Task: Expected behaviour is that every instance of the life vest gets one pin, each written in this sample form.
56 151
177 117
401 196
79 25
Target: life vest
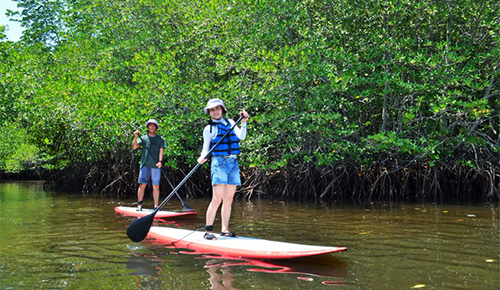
230 145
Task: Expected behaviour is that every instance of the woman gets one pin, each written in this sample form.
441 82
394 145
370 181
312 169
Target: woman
225 173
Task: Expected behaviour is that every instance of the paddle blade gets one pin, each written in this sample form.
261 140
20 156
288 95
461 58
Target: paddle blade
187 208
139 229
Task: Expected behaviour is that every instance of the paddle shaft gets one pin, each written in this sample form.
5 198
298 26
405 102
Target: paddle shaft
196 167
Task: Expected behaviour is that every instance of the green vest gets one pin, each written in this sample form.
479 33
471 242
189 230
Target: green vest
153 144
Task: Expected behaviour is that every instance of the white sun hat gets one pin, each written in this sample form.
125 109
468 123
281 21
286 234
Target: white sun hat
153 121
214 103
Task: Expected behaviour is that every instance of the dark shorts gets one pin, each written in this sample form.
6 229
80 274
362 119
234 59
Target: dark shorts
147 173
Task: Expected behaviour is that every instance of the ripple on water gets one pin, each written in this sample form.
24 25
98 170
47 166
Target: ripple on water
77 242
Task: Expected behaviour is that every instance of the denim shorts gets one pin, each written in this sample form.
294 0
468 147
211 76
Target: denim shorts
225 171
153 173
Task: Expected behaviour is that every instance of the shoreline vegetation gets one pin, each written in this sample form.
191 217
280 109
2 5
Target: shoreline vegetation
343 185
359 101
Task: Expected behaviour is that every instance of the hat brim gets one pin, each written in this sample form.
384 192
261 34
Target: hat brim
206 109
147 125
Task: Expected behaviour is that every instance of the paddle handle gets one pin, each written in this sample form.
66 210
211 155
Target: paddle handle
196 167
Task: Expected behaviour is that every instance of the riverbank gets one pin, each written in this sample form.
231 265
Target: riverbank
347 184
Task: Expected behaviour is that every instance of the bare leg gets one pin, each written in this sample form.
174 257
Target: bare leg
218 193
156 195
140 194
227 203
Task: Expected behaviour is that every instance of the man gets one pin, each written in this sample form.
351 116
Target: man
151 161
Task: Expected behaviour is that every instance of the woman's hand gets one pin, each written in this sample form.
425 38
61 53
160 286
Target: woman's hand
201 160
245 116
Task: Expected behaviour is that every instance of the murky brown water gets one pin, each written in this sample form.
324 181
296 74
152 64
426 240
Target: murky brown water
54 241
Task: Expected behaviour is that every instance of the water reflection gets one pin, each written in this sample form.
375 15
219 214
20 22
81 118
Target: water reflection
326 268
145 267
221 276
59 241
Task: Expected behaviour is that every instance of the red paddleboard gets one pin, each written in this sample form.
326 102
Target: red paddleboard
162 214
244 247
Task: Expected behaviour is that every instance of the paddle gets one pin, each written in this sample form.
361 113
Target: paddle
139 229
185 206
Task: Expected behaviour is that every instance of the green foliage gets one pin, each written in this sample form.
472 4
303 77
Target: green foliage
16 153
2 32
325 82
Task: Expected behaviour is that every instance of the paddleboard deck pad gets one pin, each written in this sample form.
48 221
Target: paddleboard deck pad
243 247
162 214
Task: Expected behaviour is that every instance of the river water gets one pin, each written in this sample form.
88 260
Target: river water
63 241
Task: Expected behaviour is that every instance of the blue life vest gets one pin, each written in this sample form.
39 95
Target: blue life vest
230 145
